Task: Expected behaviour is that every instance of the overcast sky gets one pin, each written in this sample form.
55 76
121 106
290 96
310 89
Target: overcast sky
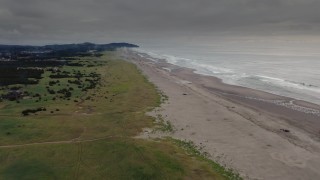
136 21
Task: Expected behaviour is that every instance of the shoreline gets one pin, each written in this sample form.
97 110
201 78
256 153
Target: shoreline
293 109
260 135
195 71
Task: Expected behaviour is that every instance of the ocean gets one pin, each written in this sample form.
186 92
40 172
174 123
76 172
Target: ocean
290 69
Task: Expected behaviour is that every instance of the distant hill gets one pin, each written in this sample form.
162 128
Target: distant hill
83 47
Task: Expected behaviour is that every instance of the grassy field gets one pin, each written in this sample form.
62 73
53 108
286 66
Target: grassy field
89 135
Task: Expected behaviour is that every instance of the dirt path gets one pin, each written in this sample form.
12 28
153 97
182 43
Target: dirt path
76 140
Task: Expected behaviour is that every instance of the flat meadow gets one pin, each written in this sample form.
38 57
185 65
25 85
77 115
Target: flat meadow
80 122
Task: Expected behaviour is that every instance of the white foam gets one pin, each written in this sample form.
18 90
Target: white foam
142 56
290 84
167 69
275 85
200 68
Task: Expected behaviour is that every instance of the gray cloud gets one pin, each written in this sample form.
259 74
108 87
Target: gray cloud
47 21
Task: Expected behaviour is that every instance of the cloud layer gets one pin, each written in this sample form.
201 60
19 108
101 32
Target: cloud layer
40 21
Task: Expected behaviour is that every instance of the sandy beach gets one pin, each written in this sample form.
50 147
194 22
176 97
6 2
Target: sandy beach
260 135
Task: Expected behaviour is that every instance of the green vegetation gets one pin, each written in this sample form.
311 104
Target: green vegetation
85 129
193 150
162 125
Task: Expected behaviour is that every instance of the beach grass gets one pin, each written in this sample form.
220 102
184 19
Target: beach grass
90 135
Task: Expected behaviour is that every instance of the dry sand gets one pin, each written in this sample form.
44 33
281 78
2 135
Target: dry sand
241 128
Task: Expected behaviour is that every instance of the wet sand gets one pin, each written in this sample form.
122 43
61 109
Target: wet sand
260 135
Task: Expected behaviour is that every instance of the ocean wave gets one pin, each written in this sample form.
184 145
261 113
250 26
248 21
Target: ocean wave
200 68
275 85
290 84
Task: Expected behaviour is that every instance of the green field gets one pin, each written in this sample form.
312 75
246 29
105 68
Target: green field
90 135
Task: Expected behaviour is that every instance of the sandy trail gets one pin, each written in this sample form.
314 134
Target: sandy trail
235 132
